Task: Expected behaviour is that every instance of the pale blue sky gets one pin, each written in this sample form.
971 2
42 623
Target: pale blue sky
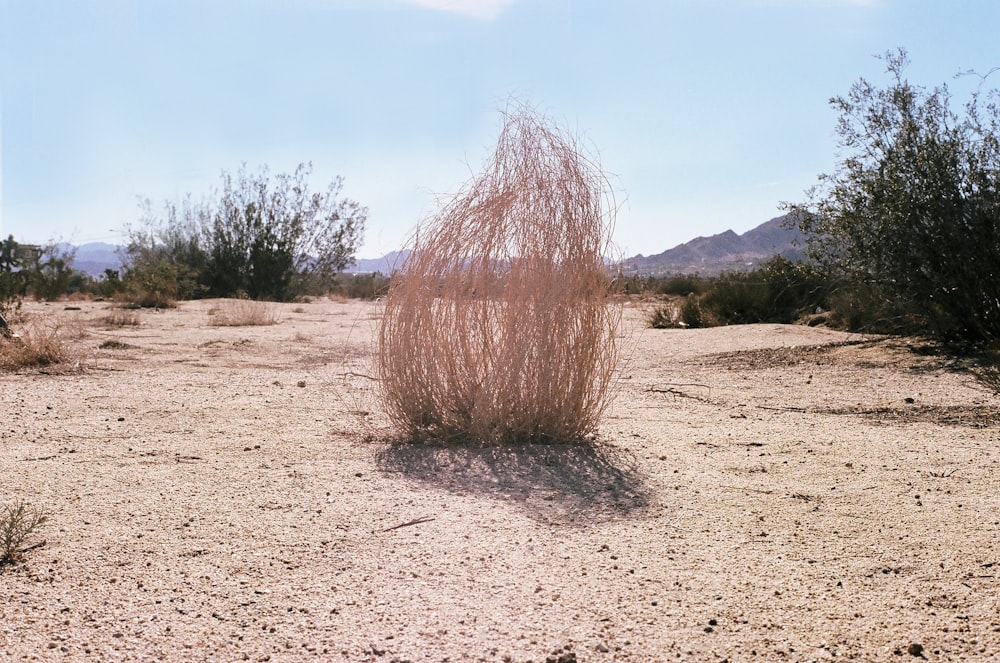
707 113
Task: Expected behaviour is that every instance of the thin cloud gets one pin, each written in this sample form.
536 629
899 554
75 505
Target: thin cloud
483 9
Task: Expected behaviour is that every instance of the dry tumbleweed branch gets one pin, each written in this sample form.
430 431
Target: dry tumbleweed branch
499 328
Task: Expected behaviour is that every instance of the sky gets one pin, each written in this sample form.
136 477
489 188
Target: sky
705 114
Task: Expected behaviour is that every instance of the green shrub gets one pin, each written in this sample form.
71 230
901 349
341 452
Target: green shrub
987 367
780 291
158 281
736 299
268 237
663 315
691 313
361 286
913 204
682 285
676 312
861 306
109 285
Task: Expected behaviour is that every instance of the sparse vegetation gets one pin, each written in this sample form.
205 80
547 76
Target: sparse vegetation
987 367
663 315
499 328
360 286
244 313
13 277
49 272
39 343
115 344
780 291
121 317
268 237
43 272
18 522
157 281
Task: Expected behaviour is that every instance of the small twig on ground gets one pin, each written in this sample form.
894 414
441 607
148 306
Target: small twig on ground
749 490
677 392
347 374
32 547
415 521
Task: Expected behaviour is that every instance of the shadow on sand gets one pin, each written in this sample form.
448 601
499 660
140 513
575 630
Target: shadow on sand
554 483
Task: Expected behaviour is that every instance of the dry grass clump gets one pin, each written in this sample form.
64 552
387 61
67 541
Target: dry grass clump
17 523
499 327
244 313
120 317
38 343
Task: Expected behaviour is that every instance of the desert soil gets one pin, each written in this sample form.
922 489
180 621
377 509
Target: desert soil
757 493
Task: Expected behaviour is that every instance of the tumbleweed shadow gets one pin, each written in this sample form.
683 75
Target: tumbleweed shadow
556 483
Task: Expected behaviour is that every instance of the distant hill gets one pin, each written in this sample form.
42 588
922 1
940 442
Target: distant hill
95 257
386 265
723 252
703 255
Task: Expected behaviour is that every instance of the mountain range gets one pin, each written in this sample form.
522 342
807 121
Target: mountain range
95 257
708 256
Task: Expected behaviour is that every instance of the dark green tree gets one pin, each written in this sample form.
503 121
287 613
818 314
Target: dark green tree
913 209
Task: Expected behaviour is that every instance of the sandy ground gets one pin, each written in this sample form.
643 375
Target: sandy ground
760 493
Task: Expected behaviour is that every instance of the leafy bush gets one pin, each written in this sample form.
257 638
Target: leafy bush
164 258
268 237
682 285
737 299
663 315
109 285
43 272
780 291
913 210
157 283
361 286
679 312
859 306
691 314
